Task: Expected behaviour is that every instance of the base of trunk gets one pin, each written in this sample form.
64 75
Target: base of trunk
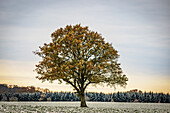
83 105
83 101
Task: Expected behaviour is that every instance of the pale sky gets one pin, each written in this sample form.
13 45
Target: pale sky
138 29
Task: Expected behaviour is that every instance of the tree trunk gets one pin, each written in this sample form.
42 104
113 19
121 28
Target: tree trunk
83 101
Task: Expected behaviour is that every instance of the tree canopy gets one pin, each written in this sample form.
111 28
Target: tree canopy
79 57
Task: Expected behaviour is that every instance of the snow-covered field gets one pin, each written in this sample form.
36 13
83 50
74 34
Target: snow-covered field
73 107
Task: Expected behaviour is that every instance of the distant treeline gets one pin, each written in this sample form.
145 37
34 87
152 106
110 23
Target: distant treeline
46 95
4 88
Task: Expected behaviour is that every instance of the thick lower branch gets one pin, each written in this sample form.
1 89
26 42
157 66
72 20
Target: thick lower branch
73 85
86 85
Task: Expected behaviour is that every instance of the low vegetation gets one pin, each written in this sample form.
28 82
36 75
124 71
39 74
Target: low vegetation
73 107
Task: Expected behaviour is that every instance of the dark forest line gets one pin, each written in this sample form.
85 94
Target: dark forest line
31 93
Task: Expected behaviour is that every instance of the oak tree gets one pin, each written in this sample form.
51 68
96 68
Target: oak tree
79 57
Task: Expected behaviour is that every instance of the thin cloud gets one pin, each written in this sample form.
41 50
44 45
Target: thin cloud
139 30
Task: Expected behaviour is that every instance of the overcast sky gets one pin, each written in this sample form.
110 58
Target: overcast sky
138 29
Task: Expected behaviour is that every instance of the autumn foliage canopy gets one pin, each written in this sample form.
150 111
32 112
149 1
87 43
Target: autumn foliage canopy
79 57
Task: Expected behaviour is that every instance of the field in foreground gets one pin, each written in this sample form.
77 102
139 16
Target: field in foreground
73 107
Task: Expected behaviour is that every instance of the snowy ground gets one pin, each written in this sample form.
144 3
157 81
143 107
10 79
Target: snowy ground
73 107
